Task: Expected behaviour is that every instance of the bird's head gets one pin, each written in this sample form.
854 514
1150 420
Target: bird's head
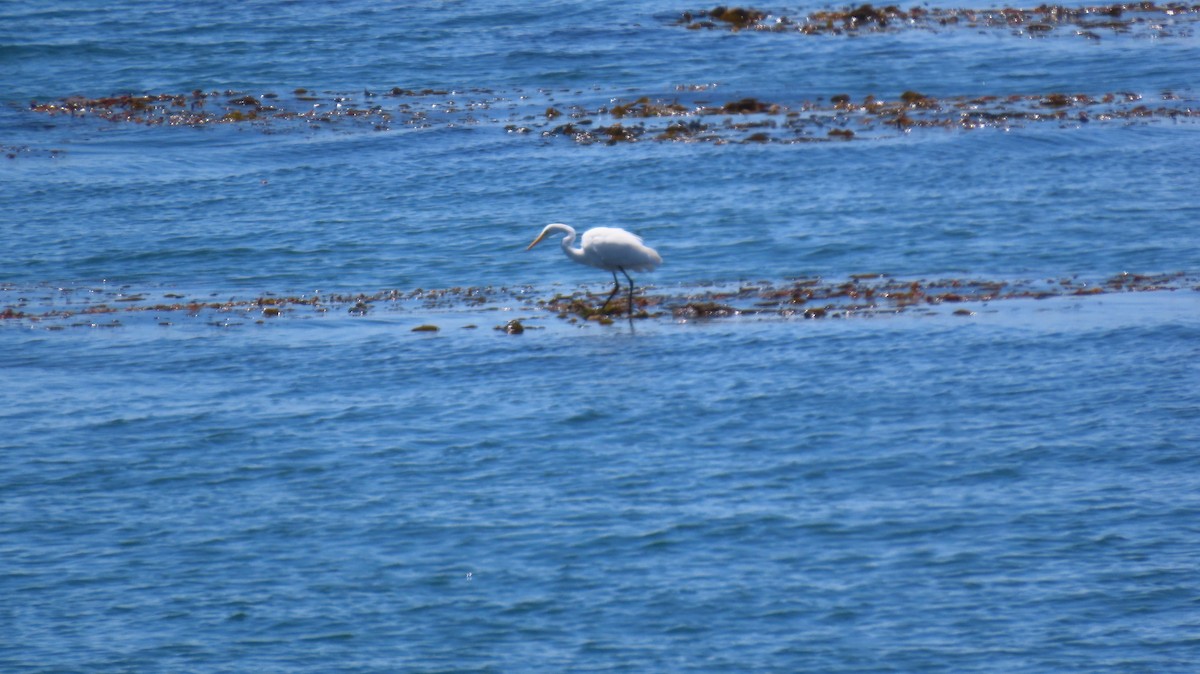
550 229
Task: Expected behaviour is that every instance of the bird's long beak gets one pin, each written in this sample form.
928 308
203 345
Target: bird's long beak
536 241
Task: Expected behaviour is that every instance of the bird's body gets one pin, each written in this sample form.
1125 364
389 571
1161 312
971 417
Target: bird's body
609 248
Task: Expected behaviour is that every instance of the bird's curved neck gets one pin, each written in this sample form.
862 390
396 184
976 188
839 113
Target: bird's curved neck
573 253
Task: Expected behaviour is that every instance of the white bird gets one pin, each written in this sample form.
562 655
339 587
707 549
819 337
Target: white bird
608 248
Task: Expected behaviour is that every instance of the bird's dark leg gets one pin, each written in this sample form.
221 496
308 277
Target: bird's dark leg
616 287
630 290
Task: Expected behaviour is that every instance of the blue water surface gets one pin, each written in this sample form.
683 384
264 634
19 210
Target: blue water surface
1013 490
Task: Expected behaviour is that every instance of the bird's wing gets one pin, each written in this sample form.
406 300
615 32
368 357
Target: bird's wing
605 236
610 247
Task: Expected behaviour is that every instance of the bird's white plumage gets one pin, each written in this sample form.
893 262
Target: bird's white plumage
609 248
612 248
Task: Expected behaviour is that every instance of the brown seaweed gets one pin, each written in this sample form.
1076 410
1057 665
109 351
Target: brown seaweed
751 119
864 294
685 118
1159 20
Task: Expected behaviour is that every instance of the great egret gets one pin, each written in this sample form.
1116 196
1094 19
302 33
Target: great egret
609 248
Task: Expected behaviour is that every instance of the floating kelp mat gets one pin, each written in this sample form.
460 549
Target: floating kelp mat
298 109
510 310
691 114
1143 19
843 118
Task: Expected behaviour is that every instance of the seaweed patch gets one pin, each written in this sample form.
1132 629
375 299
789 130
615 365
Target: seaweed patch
692 115
840 118
200 108
23 151
1142 19
859 295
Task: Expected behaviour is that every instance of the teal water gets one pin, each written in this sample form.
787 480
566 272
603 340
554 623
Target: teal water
1011 490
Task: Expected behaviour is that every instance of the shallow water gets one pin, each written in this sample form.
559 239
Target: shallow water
1007 487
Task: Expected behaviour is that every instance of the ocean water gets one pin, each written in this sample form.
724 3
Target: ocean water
225 449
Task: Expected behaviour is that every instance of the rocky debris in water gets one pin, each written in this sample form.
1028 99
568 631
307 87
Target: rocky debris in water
1091 22
425 328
